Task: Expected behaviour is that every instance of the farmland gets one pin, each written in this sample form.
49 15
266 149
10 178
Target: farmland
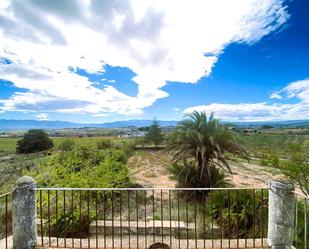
151 168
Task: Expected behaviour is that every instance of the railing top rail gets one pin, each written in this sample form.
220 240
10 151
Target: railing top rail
2 195
301 195
143 189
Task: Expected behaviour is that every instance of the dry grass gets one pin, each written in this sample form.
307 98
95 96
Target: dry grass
150 168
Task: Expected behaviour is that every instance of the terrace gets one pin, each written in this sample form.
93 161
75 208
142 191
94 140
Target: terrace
139 217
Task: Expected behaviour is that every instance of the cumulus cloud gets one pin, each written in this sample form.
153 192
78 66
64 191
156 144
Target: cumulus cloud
265 111
159 41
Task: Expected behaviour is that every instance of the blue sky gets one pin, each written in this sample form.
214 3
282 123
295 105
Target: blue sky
107 61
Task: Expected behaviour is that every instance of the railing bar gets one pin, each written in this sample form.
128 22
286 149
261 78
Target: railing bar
120 199
204 222
301 195
153 216
212 220
187 220
161 217
6 221
129 218
141 189
48 214
57 240
254 217
305 218
80 219
137 232
41 218
64 220
104 217
229 216
221 219
178 214
96 219
296 227
262 217
170 215
3 195
72 216
245 219
145 196
88 213
113 222
237 214
195 221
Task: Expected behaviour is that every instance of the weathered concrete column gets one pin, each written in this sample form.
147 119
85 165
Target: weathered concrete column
24 214
281 214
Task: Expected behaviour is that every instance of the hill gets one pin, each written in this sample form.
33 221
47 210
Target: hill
36 124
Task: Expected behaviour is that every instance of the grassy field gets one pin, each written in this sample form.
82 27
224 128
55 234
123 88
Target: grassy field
8 145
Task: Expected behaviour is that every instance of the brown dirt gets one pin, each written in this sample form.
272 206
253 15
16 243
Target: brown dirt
150 169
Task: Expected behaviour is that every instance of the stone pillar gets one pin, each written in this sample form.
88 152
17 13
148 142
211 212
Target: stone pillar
281 214
24 214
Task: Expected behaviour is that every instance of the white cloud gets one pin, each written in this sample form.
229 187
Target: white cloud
159 41
283 110
42 116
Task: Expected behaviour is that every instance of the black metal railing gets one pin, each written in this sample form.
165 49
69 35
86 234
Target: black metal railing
139 217
301 235
6 240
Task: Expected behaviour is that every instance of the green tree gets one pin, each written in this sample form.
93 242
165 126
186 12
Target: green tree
154 134
204 141
296 165
34 140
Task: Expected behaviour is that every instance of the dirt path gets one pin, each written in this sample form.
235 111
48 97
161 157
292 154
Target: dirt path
150 169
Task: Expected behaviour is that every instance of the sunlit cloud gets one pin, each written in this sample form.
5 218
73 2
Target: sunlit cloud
265 111
160 41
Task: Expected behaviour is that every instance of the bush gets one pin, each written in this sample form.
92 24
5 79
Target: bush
296 165
189 175
239 212
104 144
67 145
83 167
34 140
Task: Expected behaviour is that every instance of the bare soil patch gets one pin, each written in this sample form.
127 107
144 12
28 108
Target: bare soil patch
150 169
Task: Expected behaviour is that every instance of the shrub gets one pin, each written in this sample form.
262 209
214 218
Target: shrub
296 165
239 212
189 175
83 167
67 145
34 140
104 144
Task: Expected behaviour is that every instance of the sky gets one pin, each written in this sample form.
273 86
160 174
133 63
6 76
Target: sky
93 61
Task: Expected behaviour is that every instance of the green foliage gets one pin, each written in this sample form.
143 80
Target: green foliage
296 166
34 140
188 175
67 145
69 168
154 134
104 144
299 236
83 167
242 212
206 141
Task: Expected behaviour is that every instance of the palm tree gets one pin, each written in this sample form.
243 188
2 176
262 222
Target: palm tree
204 141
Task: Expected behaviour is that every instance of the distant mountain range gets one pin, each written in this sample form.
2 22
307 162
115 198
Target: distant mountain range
36 124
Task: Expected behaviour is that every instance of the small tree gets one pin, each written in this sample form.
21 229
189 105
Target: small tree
154 134
34 140
296 166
